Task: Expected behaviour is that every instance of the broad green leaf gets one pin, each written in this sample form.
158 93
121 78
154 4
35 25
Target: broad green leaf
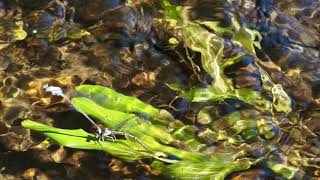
126 149
212 168
118 120
141 128
79 139
111 99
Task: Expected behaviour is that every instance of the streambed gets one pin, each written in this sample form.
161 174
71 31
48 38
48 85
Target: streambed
126 46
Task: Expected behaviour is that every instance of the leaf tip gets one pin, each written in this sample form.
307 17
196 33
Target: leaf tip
26 123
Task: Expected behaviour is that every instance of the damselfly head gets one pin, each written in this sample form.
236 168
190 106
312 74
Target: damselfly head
56 91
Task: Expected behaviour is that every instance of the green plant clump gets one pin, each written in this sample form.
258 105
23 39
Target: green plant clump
162 146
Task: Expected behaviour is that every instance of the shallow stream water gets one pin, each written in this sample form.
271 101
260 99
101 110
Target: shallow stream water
118 44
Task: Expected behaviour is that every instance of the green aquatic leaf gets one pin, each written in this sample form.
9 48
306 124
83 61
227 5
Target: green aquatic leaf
285 171
204 117
108 98
79 139
171 12
248 39
187 133
19 33
67 30
281 100
141 128
235 128
173 41
212 168
245 37
233 60
215 26
77 33
122 148
211 93
266 128
57 33
118 120
117 116
210 46
12 31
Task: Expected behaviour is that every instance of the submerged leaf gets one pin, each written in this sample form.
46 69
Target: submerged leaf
122 148
118 120
111 99
71 31
12 31
139 127
80 139
171 11
281 100
211 47
284 170
242 35
212 168
19 33
249 96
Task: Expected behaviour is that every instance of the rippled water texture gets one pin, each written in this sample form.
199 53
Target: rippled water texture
117 44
